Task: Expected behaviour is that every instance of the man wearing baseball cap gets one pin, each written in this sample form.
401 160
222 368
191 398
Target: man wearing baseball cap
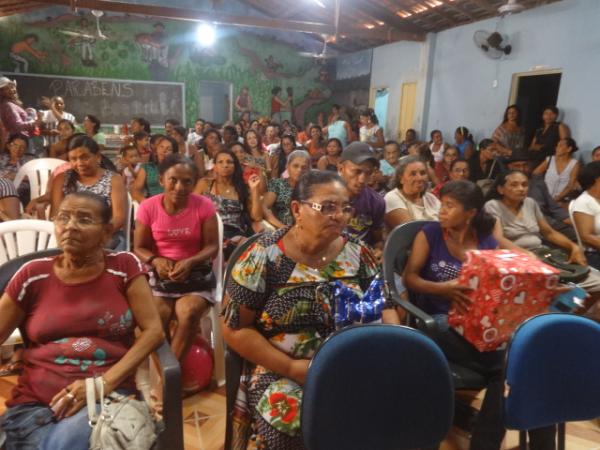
357 164
12 115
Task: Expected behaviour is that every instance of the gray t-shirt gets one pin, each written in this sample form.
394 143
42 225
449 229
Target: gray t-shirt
523 229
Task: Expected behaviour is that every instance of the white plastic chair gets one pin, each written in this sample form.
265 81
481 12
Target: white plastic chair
215 336
574 226
19 237
37 172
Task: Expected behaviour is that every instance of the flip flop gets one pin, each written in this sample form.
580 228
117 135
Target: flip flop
12 368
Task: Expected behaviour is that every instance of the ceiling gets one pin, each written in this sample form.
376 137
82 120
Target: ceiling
362 23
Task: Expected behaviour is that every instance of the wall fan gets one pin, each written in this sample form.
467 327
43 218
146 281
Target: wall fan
493 44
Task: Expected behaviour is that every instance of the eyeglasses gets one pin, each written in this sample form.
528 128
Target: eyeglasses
331 208
80 221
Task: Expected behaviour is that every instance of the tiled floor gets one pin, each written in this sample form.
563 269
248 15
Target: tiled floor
204 424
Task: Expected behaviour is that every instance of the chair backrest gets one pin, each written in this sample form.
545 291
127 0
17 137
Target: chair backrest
19 237
37 172
233 362
9 268
384 387
235 255
218 262
129 218
398 246
574 225
552 372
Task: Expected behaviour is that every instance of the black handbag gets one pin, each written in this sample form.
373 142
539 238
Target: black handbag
201 278
557 258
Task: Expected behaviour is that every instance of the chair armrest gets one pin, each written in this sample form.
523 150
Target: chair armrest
172 436
427 323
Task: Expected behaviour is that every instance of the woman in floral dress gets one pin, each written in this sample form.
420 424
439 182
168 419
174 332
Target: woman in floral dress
279 307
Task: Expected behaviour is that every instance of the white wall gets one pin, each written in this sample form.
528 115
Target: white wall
394 64
563 35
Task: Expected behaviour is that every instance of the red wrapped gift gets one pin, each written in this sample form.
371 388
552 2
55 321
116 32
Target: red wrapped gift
508 288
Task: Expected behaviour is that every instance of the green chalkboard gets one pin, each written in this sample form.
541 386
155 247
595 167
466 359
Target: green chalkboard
114 102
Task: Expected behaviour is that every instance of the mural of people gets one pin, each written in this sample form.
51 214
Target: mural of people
278 104
25 46
154 46
287 110
86 41
272 65
149 49
155 51
243 103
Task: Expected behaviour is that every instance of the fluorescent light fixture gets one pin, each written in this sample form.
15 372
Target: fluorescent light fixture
404 14
320 3
206 34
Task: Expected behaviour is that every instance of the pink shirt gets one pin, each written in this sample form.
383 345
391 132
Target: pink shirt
179 236
15 119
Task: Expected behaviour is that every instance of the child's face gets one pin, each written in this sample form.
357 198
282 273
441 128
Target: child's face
375 178
390 153
143 143
132 157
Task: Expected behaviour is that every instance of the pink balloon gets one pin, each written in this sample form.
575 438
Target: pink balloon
197 367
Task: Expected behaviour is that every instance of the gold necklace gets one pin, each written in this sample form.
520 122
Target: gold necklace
303 251
226 191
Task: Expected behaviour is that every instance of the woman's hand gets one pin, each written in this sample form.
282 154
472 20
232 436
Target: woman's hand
254 182
298 370
34 206
163 267
577 256
457 294
69 400
181 270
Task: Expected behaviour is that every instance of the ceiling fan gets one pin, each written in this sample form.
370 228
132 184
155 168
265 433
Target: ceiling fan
325 53
511 7
99 35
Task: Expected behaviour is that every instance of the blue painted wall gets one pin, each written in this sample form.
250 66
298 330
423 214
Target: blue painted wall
563 35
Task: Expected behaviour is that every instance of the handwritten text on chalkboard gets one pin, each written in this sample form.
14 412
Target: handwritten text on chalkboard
91 88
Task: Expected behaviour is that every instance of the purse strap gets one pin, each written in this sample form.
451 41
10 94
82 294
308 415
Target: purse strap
93 385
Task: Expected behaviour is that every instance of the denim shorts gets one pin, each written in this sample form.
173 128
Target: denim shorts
32 426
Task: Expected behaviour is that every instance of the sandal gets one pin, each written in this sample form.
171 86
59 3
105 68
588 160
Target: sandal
12 368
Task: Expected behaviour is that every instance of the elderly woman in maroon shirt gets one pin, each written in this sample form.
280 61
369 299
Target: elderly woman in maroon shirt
12 115
79 311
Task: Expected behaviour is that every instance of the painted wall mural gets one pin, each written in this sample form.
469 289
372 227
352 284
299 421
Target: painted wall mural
127 47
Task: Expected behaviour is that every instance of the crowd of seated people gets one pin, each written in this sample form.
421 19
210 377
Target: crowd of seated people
325 196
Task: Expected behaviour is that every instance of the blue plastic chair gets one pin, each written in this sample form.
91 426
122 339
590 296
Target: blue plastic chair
398 247
383 387
552 374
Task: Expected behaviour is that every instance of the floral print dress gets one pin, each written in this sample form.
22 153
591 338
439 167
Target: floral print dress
283 192
294 312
